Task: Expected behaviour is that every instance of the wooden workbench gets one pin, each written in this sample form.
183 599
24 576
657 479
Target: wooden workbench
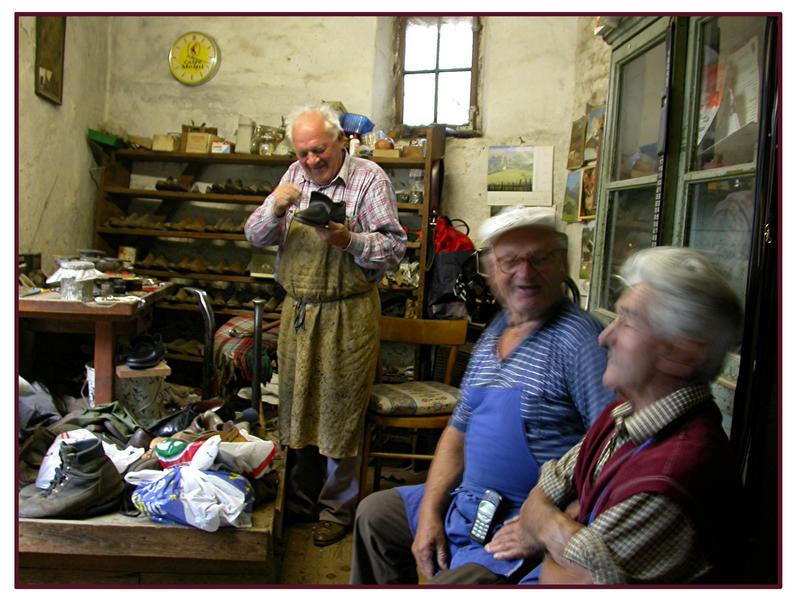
48 312
118 550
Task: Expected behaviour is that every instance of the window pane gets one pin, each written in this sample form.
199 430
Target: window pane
630 225
642 84
726 118
418 98
721 222
453 101
455 43
421 35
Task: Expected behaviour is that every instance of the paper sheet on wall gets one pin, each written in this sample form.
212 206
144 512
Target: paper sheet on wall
520 175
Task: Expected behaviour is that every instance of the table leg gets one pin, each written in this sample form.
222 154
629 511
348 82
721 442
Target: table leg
104 351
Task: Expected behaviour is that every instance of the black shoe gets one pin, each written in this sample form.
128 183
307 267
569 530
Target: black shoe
328 532
147 352
321 210
87 483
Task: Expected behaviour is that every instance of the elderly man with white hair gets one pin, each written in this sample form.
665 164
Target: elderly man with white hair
334 219
654 478
532 388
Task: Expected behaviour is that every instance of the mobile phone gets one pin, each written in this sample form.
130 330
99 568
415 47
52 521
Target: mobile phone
484 516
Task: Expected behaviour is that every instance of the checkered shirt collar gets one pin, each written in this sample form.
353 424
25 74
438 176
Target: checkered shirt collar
645 423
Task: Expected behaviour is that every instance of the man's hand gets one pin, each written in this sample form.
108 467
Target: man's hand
511 541
430 544
335 234
285 195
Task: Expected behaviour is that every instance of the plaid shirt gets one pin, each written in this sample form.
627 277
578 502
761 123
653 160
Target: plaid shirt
646 537
377 242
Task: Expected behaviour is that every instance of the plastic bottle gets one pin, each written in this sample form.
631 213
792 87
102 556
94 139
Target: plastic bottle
354 145
244 135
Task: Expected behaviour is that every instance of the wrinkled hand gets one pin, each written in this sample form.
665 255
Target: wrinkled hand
511 542
430 544
285 195
335 234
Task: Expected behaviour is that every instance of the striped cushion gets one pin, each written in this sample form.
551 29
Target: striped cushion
413 398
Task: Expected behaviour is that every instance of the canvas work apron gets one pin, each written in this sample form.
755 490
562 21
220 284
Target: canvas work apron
327 347
496 456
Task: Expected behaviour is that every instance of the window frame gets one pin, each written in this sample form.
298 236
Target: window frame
400 72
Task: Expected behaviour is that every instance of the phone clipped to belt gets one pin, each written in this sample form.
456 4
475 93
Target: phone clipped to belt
484 516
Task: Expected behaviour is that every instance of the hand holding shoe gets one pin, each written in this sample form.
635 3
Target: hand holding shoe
336 234
284 196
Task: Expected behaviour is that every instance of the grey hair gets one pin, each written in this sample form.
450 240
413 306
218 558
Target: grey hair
691 298
330 116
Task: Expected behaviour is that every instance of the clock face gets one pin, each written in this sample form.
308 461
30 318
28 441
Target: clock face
194 58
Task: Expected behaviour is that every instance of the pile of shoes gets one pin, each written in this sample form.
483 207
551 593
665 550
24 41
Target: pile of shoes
146 352
237 187
188 224
181 184
194 264
138 221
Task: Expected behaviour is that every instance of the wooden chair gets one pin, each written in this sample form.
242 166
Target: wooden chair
415 404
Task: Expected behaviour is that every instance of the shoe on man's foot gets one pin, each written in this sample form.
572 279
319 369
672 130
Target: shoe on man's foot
328 532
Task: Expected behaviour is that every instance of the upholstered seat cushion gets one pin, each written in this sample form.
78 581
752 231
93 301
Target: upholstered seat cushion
413 398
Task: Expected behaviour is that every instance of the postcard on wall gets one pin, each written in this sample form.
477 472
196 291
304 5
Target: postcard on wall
576 142
520 175
588 203
49 65
572 197
595 117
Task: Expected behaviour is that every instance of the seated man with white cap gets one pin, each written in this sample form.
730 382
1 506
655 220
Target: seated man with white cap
532 388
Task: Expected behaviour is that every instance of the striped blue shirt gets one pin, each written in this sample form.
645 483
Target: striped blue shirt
560 369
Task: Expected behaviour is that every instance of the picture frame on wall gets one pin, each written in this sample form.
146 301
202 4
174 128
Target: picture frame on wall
588 202
576 142
572 196
49 63
595 119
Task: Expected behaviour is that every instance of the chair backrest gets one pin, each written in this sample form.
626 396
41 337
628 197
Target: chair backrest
427 332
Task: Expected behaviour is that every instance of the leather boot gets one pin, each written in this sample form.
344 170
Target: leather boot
87 483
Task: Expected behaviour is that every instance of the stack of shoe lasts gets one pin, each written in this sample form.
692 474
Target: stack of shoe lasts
320 211
87 483
148 351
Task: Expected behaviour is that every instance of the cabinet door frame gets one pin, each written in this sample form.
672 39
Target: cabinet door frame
637 39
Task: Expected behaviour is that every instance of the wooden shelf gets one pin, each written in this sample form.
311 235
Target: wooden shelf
233 312
200 276
173 233
251 159
124 192
183 357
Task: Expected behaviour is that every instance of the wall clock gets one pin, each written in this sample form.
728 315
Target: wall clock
194 58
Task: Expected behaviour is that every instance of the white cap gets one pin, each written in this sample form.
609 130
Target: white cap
512 218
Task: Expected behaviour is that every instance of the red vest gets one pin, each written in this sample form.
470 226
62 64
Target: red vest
690 461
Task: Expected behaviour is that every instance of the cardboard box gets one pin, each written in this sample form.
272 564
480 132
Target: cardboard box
199 143
165 143
386 153
412 152
220 147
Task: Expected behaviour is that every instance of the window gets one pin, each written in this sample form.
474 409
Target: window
438 82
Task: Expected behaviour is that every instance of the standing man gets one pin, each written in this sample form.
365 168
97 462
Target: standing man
532 388
329 335
655 476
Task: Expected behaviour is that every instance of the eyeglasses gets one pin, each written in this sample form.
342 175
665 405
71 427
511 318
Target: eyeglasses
540 261
318 151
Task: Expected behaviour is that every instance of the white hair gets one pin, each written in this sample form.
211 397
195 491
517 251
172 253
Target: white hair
330 116
691 298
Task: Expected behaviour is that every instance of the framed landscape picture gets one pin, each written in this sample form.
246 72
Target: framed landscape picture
572 197
576 143
588 203
49 65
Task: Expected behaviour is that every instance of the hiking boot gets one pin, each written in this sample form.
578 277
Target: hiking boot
87 483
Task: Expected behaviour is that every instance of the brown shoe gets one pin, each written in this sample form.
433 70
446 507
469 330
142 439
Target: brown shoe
328 532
